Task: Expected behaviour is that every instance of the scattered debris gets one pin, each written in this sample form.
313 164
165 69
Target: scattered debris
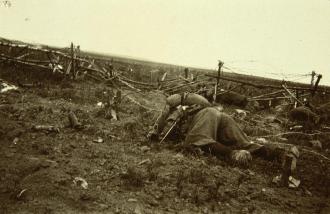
102 161
241 113
98 140
100 104
49 163
283 139
81 182
113 114
307 192
272 119
279 108
294 151
137 210
4 87
27 85
178 156
326 128
250 172
114 137
117 98
56 68
277 179
21 193
293 183
111 105
15 141
296 128
291 94
47 128
145 148
316 154
74 121
316 144
160 181
144 161
261 140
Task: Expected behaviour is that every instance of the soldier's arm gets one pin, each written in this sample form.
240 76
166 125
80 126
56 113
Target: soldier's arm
159 124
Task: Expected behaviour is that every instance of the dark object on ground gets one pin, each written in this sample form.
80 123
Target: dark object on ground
233 98
324 112
304 116
74 121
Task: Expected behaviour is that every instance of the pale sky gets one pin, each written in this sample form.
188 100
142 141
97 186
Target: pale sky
273 38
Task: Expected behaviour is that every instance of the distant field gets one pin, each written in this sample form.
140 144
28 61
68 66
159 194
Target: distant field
147 68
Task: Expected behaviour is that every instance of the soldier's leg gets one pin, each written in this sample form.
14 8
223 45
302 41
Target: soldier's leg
230 133
269 152
217 149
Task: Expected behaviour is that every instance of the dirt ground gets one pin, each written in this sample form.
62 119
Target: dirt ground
127 174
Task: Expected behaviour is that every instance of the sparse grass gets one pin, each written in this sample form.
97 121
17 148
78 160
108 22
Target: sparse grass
133 177
152 173
181 178
152 169
213 190
188 149
196 196
197 176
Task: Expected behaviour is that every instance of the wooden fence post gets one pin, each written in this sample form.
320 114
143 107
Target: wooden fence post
312 80
220 64
186 73
316 84
73 63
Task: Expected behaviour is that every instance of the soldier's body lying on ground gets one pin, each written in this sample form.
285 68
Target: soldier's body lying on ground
215 132
311 117
228 97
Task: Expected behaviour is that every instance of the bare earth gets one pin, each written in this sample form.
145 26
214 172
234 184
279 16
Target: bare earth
127 174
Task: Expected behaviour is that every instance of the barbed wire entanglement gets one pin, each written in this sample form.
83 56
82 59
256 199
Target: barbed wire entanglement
73 63
123 75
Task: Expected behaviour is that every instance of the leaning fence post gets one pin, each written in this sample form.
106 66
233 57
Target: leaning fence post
316 84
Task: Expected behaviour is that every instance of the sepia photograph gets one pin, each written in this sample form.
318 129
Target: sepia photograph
164 106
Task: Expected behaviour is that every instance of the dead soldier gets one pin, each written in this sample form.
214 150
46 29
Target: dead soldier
215 132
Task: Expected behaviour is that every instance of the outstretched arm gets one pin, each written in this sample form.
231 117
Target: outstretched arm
159 124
